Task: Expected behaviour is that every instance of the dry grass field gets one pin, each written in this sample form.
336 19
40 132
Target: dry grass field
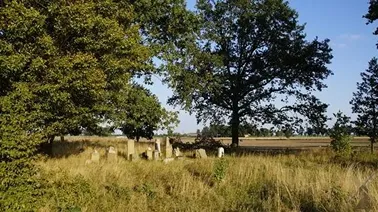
308 181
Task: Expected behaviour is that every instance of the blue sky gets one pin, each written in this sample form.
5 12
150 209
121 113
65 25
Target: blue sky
352 42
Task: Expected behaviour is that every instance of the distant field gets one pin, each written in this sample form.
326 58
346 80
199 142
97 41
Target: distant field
258 142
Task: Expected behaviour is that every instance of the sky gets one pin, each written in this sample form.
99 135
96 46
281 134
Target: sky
352 41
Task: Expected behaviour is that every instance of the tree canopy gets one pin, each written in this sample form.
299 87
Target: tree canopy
67 66
372 14
247 56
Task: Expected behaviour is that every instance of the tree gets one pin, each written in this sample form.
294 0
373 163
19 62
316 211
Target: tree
142 114
340 134
247 55
64 66
75 58
365 103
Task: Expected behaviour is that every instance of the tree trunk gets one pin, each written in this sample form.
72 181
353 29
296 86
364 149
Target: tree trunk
235 122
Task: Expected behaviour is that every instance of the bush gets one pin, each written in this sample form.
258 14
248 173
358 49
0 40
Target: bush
340 134
220 169
341 144
19 189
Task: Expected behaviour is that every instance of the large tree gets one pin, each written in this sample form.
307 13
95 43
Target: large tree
66 66
365 103
247 56
77 58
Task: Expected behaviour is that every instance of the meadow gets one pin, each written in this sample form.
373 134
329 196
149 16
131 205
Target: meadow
315 180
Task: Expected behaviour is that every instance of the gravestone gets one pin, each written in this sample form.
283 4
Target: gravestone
95 157
130 149
220 152
157 145
176 152
156 155
200 153
111 155
149 153
168 148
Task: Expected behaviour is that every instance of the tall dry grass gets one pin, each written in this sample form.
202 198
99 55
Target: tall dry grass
306 182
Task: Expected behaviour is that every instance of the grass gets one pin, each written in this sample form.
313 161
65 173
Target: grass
314 181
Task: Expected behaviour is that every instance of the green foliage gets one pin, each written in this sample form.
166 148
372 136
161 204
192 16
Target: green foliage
340 134
372 14
19 138
220 169
74 58
365 103
142 114
70 193
19 188
341 144
238 66
63 68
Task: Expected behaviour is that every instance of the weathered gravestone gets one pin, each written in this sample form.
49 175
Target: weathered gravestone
200 153
130 149
149 153
111 155
176 152
168 148
157 145
95 157
220 152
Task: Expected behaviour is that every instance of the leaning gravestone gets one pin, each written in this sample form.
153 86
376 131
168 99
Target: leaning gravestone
149 153
200 153
111 154
130 149
176 152
95 157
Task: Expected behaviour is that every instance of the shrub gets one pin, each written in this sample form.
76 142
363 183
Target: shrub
340 134
341 144
220 169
